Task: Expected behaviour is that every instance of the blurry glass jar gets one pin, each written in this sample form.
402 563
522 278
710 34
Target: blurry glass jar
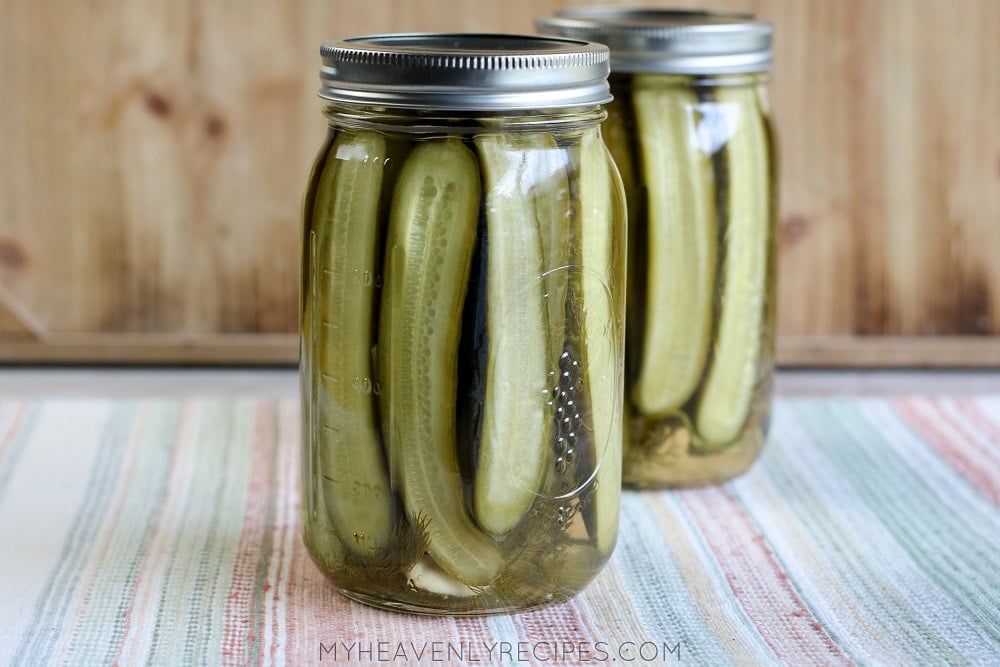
691 133
462 323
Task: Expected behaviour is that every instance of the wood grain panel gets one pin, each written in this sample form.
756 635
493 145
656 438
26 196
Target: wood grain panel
153 155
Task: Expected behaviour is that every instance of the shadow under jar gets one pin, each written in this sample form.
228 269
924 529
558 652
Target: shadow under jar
462 323
691 133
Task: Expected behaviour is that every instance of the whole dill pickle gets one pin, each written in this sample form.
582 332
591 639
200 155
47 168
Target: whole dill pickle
601 330
681 245
514 445
307 298
431 240
352 471
724 402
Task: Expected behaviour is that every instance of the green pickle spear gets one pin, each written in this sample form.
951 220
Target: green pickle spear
307 296
352 470
725 400
681 245
550 198
431 240
615 131
600 330
514 446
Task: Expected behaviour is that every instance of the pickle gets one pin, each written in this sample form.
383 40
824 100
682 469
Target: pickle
546 172
353 475
618 130
616 136
724 403
514 443
307 297
598 256
681 246
431 240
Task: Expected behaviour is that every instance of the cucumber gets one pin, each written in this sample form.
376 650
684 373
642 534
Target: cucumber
431 240
616 137
602 329
352 470
322 170
514 443
682 232
725 400
618 130
545 166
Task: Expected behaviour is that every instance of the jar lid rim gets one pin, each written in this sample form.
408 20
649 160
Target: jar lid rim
668 40
465 71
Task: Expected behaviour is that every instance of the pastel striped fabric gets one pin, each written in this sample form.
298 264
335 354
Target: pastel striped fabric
166 532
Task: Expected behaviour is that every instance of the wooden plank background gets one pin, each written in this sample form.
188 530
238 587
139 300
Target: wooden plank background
153 157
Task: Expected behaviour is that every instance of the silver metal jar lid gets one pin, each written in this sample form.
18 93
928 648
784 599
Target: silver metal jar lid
669 41
465 72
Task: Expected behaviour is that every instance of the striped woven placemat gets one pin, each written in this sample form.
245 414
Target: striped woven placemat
166 532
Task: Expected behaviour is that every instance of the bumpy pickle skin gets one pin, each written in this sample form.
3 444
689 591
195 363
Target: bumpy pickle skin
431 240
351 471
681 245
603 270
725 400
514 444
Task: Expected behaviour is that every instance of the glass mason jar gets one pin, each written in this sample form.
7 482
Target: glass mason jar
462 323
691 133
